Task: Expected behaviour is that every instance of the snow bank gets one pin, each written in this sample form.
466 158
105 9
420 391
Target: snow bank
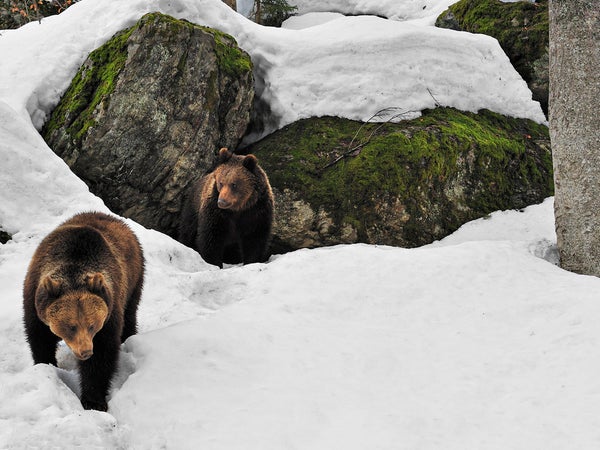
390 9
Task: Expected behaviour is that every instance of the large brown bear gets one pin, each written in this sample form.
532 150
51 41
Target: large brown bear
83 286
228 213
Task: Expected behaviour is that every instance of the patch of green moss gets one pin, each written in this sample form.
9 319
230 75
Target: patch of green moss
413 161
92 85
521 28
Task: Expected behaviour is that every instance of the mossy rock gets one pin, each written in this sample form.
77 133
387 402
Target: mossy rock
147 112
521 28
404 184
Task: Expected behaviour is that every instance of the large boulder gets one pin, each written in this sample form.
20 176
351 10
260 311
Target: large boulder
405 184
520 27
147 112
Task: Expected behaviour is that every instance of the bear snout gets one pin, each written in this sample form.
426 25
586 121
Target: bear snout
223 204
84 354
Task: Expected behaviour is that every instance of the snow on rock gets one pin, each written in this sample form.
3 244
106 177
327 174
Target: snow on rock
391 9
330 69
310 20
387 64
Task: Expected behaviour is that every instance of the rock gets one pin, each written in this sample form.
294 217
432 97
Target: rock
147 112
521 29
4 236
448 20
17 13
404 184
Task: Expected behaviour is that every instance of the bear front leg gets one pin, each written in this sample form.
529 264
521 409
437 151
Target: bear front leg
42 342
210 243
254 248
96 372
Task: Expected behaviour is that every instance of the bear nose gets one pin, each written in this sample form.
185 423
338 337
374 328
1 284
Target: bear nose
85 354
222 203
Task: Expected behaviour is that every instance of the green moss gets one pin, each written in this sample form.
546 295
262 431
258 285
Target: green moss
91 86
232 60
414 161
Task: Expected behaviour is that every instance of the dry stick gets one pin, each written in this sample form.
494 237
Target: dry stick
437 104
362 144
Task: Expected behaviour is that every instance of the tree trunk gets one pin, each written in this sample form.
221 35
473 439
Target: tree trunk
231 3
258 12
575 131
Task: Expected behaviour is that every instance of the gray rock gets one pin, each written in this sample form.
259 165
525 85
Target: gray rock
148 111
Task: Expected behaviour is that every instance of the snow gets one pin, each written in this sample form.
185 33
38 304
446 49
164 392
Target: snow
390 9
478 341
390 64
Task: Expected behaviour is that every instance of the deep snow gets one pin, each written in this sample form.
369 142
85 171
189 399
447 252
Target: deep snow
475 342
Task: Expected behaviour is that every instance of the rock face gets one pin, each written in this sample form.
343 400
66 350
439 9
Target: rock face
147 112
521 29
406 184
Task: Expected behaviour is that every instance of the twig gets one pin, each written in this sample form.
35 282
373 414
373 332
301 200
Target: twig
355 150
437 104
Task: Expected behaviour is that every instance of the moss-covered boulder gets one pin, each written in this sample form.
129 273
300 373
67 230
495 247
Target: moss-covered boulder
521 28
404 184
147 112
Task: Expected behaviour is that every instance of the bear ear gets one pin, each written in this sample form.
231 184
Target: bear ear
51 287
250 162
48 290
224 155
96 284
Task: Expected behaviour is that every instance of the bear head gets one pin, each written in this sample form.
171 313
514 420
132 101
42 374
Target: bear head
74 315
235 181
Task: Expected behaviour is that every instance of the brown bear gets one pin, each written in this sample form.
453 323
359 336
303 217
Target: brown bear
228 214
83 286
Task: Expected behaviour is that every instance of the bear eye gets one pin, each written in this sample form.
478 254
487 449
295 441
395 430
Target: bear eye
91 328
233 185
72 329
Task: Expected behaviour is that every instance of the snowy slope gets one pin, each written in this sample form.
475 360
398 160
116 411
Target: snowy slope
473 342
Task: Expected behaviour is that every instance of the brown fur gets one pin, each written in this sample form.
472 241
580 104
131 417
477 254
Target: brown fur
228 214
83 285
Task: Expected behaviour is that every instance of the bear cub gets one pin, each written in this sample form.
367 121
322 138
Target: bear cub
228 214
83 286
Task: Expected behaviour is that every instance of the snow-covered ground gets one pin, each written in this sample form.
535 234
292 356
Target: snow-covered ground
475 342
